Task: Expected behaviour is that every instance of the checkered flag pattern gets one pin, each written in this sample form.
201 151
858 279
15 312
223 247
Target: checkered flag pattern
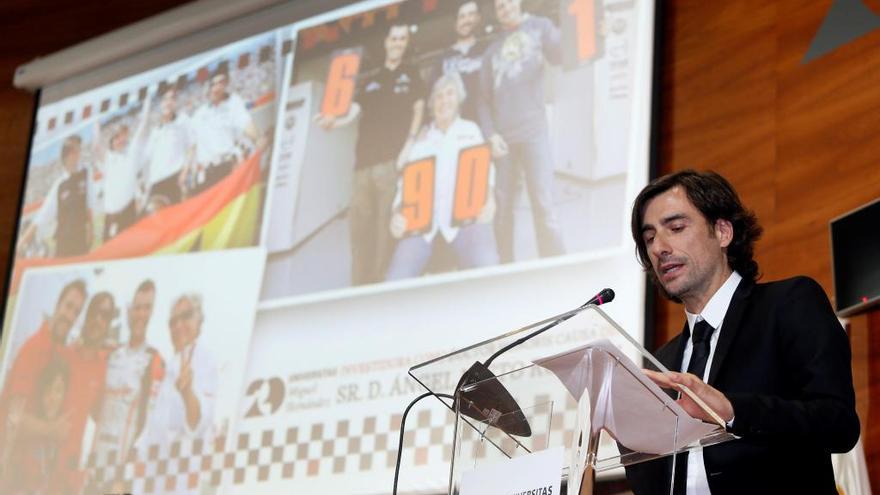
67 118
306 451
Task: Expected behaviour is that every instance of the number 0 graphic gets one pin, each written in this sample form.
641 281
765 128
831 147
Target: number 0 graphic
471 183
340 84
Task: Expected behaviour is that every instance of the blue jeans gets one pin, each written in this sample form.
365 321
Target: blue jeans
474 246
534 159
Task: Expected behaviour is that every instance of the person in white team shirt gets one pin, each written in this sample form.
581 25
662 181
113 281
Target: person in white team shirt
220 127
121 169
134 374
184 407
444 139
168 149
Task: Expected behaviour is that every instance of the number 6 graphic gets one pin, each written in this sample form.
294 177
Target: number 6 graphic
340 84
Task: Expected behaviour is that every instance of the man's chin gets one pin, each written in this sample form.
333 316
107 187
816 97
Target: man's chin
59 333
671 293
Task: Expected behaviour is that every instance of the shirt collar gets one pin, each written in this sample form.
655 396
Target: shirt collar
432 128
716 308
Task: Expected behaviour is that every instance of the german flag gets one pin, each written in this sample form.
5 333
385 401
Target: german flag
221 217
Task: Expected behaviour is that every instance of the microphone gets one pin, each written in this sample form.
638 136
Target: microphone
492 403
605 295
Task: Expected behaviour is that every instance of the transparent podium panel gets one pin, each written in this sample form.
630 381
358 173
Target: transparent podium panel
575 380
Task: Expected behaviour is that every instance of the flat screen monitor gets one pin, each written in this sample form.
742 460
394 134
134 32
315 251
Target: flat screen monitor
855 248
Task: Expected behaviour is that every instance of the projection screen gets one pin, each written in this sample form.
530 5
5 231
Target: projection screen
233 246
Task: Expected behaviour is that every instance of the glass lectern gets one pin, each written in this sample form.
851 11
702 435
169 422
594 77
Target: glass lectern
573 381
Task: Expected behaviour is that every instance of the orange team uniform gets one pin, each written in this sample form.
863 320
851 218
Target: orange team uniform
21 380
36 353
88 370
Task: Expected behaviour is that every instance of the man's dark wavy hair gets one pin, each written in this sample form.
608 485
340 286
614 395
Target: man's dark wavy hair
716 199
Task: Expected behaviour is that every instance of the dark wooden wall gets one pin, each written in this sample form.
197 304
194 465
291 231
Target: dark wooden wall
800 141
33 28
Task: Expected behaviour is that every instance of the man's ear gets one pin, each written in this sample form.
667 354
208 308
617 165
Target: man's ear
723 232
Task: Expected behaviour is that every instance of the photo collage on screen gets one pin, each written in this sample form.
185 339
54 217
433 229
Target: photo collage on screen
207 250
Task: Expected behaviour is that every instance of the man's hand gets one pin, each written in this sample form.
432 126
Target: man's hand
262 142
488 212
499 146
326 122
708 394
90 233
403 156
184 382
182 179
398 225
60 427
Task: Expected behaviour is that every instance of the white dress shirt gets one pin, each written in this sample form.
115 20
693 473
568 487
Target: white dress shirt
167 149
120 180
713 313
217 129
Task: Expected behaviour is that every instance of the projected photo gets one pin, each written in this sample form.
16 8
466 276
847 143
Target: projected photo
430 137
110 368
226 264
172 160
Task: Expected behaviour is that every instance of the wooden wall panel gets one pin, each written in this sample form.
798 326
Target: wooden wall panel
865 340
799 141
718 101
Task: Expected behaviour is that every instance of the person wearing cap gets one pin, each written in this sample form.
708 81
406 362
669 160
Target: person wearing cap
87 361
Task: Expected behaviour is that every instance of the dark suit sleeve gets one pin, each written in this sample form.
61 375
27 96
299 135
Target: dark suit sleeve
817 356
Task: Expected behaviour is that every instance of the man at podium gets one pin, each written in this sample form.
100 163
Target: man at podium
770 358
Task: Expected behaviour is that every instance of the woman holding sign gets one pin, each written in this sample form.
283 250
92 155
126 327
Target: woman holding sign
444 192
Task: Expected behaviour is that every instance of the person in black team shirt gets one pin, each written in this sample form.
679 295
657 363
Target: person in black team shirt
66 204
465 57
390 103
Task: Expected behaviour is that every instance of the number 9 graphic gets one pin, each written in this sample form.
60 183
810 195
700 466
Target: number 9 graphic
417 201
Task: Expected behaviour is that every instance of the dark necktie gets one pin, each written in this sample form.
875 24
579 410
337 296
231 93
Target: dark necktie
699 356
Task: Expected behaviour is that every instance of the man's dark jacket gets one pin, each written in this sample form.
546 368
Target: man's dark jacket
783 361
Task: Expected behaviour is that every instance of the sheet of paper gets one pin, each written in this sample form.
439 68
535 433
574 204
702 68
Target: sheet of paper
580 446
537 473
623 400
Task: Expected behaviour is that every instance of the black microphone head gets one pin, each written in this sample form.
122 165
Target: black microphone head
605 296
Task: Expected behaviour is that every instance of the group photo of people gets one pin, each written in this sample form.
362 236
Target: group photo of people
117 364
169 138
476 137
